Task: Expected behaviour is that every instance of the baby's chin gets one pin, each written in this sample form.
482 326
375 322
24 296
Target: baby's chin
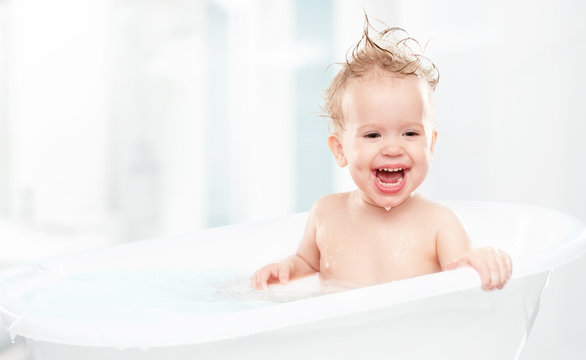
385 204
389 207
389 204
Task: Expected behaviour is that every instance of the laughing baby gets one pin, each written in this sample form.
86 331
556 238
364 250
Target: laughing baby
382 129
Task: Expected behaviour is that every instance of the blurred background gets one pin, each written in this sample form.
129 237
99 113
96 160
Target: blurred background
122 120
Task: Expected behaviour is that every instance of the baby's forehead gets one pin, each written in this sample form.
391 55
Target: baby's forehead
366 98
411 88
380 76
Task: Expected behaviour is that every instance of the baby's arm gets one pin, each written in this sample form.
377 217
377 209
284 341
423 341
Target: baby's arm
304 262
454 250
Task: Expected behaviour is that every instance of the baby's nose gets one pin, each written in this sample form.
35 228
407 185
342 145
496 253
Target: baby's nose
392 148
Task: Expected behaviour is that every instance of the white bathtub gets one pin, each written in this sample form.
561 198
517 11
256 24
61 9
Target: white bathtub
444 315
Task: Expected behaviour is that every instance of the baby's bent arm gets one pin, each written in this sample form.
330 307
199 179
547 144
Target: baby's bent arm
454 250
308 250
305 262
452 239
287 269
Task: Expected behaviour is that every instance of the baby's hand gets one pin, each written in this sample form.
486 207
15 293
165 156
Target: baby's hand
272 273
494 266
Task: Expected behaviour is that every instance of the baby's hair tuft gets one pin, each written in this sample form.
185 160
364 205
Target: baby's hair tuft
392 51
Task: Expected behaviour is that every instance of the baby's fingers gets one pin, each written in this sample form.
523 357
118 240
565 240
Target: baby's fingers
277 273
505 267
493 266
260 279
508 263
500 268
263 277
496 272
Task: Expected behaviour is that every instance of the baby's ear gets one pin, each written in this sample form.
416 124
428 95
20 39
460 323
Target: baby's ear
337 149
433 140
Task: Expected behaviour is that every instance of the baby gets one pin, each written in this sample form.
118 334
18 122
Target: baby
380 105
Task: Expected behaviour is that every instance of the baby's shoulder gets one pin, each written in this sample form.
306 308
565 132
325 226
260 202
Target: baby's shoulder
336 199
327 203
436 211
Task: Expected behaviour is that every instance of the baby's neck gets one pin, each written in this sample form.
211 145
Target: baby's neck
359 200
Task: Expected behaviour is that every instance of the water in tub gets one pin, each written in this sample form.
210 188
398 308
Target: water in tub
128 295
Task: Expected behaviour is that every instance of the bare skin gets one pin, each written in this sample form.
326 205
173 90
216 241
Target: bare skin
384 230
354 244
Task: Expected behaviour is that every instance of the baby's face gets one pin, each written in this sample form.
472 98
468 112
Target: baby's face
388 136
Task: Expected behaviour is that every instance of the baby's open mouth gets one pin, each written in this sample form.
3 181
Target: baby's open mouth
389 177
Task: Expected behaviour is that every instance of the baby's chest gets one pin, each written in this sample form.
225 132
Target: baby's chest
387 251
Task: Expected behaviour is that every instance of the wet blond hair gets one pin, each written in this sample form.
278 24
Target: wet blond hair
392 51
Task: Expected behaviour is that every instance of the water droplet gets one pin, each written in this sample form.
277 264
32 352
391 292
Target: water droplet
387 208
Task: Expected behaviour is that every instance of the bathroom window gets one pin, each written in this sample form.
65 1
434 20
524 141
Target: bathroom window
155 118
264 76
156 143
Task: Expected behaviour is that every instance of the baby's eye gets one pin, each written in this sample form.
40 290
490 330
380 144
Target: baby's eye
372 135
411 133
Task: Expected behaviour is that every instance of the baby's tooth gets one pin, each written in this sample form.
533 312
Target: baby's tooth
391 170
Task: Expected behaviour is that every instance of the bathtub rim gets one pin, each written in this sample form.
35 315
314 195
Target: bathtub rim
251 322
292 313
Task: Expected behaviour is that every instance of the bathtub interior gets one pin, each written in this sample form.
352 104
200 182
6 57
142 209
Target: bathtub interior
519 230
522 231
159 274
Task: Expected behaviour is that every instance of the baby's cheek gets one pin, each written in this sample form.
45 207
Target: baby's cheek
427 156
362 170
